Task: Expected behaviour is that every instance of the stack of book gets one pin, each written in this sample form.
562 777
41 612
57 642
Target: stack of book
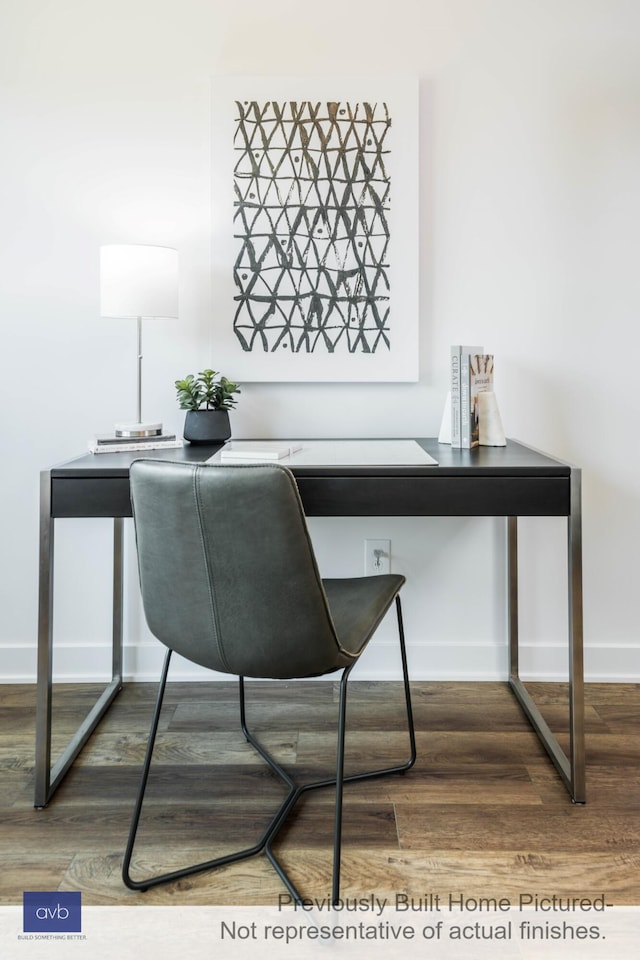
108 443
471 374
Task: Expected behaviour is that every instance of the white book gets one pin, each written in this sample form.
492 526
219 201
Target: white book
459 389
110 440
126 447
256 450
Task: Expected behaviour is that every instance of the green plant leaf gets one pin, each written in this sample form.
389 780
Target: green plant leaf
204 390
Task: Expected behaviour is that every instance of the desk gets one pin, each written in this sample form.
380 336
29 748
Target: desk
511 482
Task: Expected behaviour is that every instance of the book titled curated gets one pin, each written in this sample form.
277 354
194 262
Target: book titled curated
480 381
459 356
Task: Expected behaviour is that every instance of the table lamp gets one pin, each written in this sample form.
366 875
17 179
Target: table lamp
138 281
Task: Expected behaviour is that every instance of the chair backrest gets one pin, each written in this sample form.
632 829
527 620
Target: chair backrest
227 571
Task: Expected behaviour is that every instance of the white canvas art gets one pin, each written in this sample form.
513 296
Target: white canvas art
315 228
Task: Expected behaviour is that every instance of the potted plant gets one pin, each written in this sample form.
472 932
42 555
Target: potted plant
207 399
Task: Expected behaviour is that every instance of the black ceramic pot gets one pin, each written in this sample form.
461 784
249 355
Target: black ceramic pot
207 426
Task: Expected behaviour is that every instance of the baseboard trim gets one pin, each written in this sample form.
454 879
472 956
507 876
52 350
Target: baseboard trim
604 663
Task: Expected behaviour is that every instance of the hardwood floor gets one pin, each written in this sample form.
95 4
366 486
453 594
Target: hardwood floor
482 813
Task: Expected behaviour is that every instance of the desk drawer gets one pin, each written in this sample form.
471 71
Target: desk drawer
77 497
447 496
436 496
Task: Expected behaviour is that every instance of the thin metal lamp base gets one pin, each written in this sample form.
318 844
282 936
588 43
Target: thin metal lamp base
134 430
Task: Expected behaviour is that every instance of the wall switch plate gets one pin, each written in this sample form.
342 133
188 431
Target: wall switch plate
377 557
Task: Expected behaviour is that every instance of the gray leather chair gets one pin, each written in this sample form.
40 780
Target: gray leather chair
229 580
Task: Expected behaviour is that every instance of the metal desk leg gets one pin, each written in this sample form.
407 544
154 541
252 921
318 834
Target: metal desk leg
576 651
47 779
118 592
512 595
572 768
45 631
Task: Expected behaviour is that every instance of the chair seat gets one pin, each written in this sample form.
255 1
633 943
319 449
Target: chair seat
357 606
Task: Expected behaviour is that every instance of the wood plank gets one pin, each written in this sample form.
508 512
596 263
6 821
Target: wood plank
183 748
473 874
575 828
439 747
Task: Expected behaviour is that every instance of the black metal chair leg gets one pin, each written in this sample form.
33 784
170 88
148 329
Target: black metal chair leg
339 780
407 687
337 829
145 776
294 791
212 864
398 768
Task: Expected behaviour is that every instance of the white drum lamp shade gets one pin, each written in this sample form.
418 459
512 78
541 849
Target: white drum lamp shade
138 281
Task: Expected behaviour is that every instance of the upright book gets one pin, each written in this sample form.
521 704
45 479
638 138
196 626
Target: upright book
478 379
458 351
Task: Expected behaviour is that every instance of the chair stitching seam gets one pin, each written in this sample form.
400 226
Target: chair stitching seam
197 474
298 499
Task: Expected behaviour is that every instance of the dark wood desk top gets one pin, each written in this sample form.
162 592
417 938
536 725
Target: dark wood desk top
513 460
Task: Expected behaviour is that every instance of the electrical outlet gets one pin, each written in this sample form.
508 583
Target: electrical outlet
377 557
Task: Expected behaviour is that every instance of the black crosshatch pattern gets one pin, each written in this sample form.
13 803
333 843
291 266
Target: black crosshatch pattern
312 199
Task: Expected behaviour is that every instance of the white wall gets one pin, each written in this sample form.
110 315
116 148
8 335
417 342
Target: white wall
529 213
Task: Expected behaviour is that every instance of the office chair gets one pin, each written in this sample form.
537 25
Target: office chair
229 580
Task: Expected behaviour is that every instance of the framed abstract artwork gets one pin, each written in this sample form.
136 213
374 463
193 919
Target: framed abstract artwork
315 228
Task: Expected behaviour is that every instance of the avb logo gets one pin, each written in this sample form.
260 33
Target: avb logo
51 912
